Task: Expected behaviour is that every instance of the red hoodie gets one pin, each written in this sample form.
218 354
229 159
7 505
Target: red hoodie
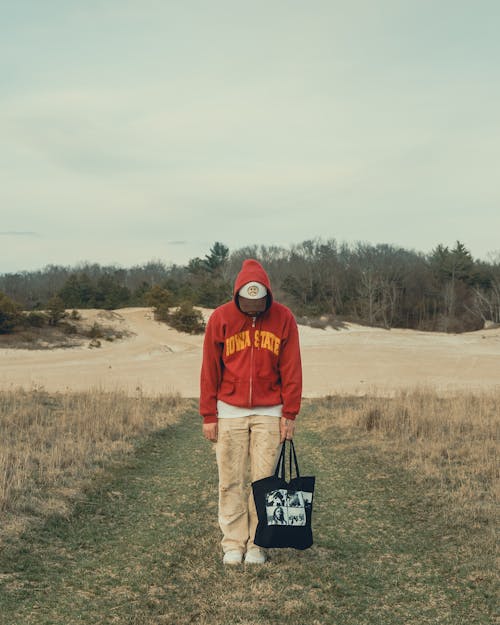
248 361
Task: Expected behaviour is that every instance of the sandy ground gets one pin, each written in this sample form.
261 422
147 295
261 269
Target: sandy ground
357 359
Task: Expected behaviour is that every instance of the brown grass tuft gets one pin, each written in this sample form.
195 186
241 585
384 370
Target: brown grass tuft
50 444
453 439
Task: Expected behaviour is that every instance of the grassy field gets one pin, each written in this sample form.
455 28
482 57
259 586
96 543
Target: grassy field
451 440
393 543
52 444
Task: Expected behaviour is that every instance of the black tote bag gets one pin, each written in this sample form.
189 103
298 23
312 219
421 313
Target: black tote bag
284 509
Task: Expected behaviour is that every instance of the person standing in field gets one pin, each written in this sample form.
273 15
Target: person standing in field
250 394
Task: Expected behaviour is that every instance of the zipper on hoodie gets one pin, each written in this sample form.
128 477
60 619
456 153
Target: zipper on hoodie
251 366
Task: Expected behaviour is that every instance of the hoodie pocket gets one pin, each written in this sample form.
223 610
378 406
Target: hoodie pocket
267 392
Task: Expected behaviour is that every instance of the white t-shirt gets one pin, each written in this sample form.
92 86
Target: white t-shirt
227 411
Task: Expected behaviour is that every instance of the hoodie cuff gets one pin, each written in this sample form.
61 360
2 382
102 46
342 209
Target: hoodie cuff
210 419
288 415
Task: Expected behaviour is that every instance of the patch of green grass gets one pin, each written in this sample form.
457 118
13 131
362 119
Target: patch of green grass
143 547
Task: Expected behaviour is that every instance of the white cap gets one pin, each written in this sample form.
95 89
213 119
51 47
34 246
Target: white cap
253 290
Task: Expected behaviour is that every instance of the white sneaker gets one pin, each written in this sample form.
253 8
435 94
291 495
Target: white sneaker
255 556
232 557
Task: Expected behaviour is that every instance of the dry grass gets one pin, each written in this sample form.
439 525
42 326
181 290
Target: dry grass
452 439
144 547
50 444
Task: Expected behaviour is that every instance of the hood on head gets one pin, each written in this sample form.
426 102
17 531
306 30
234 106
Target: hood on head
252 271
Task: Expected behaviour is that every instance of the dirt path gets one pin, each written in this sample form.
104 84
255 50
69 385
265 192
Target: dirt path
143 549
158 359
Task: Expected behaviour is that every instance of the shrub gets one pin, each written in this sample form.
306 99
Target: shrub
160 300
95 331
10 314
56 310
36 319
186 319
161 313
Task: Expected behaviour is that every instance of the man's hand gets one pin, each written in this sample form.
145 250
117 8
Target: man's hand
287 428
210 431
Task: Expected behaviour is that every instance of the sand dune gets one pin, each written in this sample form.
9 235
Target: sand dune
357 359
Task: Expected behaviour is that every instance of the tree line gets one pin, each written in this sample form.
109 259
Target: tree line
378 285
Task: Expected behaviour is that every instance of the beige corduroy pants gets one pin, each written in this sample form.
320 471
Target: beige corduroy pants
246 450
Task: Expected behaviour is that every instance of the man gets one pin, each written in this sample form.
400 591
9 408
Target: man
251 387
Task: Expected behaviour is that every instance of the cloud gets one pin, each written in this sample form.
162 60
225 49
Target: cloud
18 233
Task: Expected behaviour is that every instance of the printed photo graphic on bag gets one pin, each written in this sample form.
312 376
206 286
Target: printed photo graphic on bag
285 507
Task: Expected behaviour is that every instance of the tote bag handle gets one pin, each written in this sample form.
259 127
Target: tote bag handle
280 466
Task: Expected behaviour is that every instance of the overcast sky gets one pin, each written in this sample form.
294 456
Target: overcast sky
140 130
